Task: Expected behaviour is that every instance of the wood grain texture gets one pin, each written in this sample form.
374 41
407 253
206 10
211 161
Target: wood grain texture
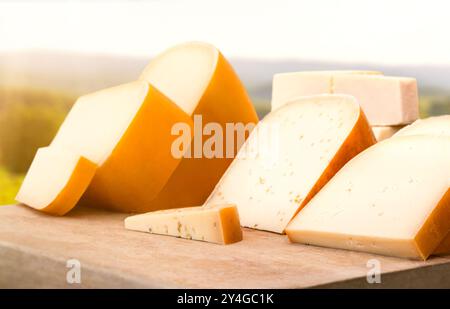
34 248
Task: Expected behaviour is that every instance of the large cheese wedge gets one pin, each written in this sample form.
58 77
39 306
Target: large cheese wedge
383 132
126 131
201 82
55 181
438 125
311 139
392 199
386 100
287 86
211 223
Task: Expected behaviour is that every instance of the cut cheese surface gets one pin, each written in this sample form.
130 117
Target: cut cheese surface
55 181
126 131
383 132
385 100
438 125
211 223
392 199
310 139
201 82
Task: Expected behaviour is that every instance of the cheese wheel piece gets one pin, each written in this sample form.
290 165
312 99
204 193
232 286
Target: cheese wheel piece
307 141
438 125
386 100
287 86
201 82
383 132
126 131
55 181
211 223
392 199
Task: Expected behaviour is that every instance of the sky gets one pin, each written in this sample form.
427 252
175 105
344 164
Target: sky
377 31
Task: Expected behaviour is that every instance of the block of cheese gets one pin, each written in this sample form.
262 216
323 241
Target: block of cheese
55 181
438 125
311 138
384 132
392 199
386 100
211 223
201 82
287 86
126 131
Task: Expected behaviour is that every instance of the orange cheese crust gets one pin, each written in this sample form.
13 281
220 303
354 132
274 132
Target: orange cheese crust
224 101
74 189
142 162
360 138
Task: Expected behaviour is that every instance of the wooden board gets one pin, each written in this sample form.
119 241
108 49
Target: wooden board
34 248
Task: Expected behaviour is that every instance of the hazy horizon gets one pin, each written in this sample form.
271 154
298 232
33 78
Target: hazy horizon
383 32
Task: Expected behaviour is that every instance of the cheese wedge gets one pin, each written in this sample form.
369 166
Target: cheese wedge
217 224
387 101
438 125
55 181
287 86
313 137
201 82
392 199
126 131
383 132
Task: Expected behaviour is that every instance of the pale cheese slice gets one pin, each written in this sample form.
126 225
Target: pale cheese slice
383 132
291 154
438 125
126 131
392 199
287 86
210 223
55 181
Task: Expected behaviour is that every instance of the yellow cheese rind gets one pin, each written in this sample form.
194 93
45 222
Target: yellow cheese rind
224 100
313 137
216 224
72 183
392 199
142 162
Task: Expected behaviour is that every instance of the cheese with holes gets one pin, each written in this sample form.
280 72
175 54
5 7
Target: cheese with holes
383 132
392 199
438 125
201 82
55 181
288 158
211 223
126 131
386 100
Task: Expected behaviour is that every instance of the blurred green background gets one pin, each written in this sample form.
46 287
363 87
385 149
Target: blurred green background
36 95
